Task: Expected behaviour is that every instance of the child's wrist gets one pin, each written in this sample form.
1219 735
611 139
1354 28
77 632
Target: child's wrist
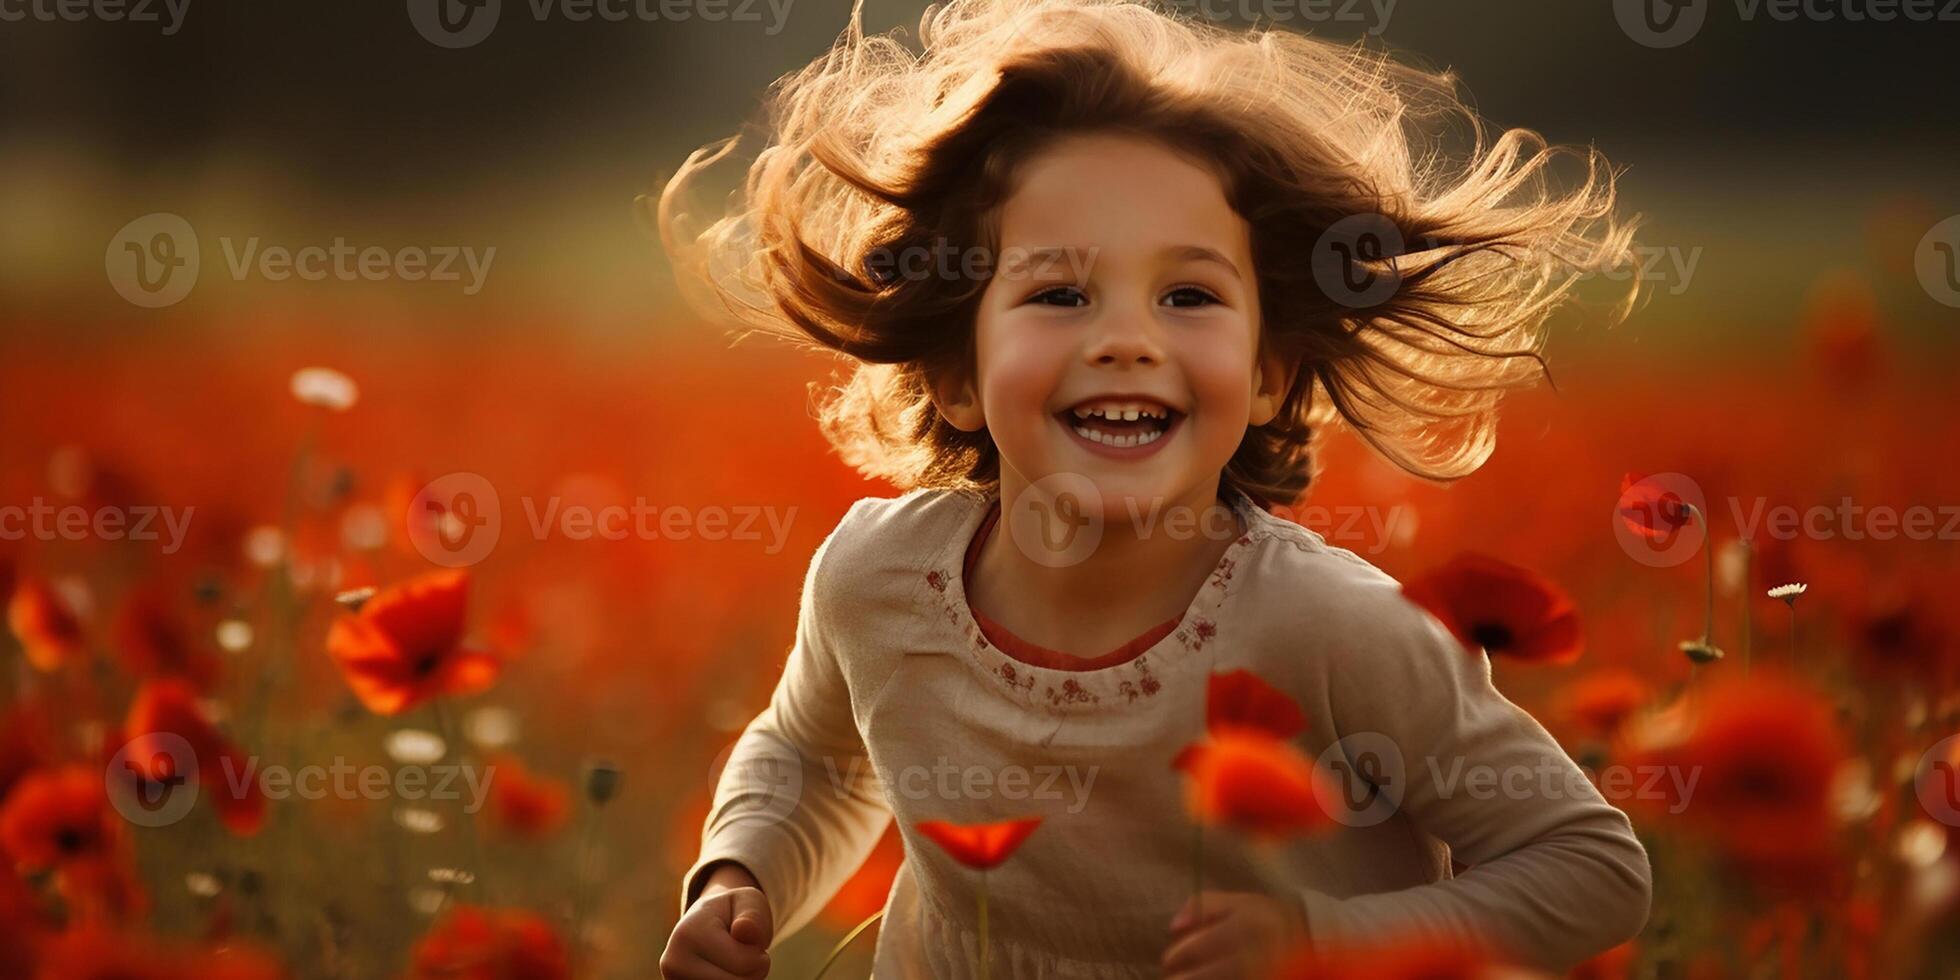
722 876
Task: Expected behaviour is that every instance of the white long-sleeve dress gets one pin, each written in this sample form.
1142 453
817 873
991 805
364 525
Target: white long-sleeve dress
894 703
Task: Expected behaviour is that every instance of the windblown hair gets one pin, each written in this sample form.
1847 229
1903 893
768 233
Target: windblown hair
875 149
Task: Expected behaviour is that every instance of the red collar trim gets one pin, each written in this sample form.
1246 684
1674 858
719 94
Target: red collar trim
1040 656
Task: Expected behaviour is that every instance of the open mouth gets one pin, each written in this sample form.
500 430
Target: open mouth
1120 423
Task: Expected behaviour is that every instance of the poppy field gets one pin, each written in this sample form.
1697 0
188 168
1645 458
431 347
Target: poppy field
269 707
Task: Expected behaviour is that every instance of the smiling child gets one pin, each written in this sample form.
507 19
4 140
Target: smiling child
1092 409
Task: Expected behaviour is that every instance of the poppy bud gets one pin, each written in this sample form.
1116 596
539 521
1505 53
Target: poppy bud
353 599
1700 652
601 781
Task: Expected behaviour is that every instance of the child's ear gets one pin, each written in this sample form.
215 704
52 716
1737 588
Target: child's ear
1272 378
958 403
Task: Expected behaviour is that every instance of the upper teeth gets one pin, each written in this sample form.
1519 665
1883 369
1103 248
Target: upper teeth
1123 411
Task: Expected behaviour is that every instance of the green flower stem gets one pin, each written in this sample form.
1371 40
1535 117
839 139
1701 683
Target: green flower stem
984 947
452 736
1748 623
1197 868
1708 550
849 937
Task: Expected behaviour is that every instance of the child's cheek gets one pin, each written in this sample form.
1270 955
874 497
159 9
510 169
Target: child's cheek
1220 376
1019 375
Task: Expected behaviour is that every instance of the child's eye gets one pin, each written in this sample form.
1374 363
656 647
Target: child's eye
1190 296
1060 296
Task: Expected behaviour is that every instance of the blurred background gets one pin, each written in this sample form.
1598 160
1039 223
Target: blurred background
1796 351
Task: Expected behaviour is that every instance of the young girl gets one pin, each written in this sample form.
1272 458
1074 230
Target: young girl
1103 274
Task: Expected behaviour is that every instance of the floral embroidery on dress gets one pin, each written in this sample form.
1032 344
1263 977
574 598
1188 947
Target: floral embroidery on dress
1013 678
1146 687
1071 693
1129 684
1198 633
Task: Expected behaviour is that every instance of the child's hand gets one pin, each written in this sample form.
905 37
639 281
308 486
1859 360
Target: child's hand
725 934
1237 934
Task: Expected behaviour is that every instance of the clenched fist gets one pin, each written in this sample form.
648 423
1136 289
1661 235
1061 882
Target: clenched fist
725 934
1229 935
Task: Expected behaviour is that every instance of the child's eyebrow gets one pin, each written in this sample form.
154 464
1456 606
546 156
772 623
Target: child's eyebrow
1200 253
1048 255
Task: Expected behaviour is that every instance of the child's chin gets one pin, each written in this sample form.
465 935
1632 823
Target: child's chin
1118 495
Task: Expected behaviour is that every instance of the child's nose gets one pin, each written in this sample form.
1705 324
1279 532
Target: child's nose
1124 338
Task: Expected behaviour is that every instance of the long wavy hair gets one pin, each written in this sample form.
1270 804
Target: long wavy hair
876 148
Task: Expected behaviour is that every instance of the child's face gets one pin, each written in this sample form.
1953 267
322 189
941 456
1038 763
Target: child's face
1150 306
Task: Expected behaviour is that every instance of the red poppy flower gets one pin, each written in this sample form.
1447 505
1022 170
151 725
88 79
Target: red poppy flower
26 744
102 890
1403 958
405 645
23 927
1255 783
867 889
1614 964
1501 608
1650 509
153 643
1600 701
236 962
1765 752
1900 636
979 846
526 805
1238 700
46 628
95 953
56 816
225 774
472 943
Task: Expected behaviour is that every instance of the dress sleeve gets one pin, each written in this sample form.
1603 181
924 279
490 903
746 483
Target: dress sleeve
1556 874
797 803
